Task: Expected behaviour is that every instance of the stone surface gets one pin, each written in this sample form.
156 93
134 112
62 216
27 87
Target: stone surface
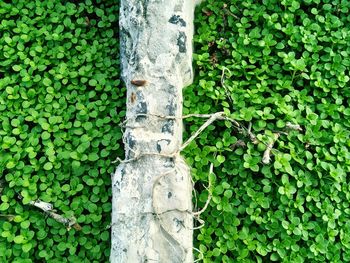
151 219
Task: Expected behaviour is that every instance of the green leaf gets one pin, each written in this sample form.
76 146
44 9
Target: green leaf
61 246
27 247
10 165
38 49
99 12
220 158
17 68
65 188
105 236
4 206
67 22
47 82
8 40
93 157
48 166
25 224
92 82
45 135
18 239
42 254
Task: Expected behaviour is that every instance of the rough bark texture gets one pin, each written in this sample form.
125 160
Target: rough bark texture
151 220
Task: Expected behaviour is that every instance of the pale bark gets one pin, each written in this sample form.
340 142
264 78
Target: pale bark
152 206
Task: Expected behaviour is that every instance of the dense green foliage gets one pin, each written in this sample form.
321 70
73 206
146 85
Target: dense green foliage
60 106
283 61
61 102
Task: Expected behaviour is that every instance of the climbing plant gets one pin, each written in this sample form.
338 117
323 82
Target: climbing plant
60 105
271 65
267 64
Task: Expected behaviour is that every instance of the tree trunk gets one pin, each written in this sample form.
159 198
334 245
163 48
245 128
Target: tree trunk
151 218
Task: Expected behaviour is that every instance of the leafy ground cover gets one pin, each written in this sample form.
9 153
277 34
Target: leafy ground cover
268 63
263 62
60 105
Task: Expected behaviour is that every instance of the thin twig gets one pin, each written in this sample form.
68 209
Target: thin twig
292 126
267 154
200 252
48 208
9 217
200 226
223 84
230 13
252 135
213 118
198 213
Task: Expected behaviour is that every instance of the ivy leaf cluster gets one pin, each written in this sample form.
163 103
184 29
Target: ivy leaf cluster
60 105
268 63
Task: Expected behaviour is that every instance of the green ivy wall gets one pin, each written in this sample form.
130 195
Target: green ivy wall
61 103
283 61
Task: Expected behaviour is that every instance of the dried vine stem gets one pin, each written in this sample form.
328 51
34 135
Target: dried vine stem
48 209
228 95
201 253
212 117
252 135
267 153
198 213
291 126
8 217
229 12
